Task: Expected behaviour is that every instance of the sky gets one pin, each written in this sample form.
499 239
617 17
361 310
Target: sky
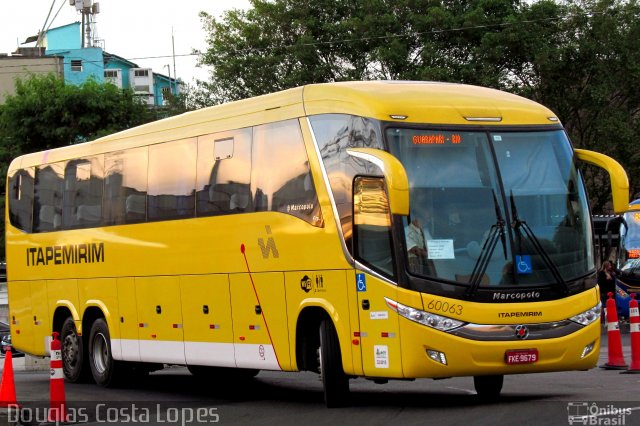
134 30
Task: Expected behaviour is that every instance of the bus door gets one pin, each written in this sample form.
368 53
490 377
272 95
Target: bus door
160 319
379 328
261 337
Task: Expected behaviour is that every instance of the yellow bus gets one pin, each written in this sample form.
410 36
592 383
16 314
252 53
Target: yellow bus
386 230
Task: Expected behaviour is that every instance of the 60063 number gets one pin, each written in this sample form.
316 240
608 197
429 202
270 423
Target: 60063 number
446 307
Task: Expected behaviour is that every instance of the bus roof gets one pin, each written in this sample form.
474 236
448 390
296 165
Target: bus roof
417 102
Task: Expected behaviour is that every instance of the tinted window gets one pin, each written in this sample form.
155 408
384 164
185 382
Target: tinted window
335 133
172 179
48 193
83 180
224 173
281 178
21 199
125 186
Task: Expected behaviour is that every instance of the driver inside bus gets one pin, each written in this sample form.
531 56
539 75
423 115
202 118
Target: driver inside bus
417 236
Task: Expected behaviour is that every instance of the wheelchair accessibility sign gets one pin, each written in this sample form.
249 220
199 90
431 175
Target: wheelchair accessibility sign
523 264
361 283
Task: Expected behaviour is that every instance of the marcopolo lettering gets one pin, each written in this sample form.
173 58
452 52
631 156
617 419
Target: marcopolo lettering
516 296
65 255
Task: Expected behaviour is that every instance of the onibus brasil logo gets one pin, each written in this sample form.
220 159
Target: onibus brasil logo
585 413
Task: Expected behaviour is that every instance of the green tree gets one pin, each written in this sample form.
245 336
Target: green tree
581 59
578 57
280 44
45 113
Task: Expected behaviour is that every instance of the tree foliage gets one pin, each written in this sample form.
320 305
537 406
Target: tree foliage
45 113
578 57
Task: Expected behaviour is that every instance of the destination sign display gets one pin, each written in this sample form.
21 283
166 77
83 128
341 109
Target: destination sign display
437 138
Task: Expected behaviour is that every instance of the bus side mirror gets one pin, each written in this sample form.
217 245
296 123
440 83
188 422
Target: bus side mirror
394 174
619 180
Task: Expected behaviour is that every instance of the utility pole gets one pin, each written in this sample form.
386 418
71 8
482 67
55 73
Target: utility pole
175 76
169 69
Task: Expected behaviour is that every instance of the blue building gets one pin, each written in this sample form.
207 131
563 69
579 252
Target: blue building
81 64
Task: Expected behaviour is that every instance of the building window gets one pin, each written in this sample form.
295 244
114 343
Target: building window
141 73
76 65
111 73
166 93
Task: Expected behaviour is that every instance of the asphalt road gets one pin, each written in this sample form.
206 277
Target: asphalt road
173 396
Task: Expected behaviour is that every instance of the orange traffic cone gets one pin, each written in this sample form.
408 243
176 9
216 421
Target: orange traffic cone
58 405
634 323
616 359
8 386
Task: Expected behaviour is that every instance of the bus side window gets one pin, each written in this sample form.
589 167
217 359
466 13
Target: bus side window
48 197
224 173
21 199
287 189
83 193
125 186
172 194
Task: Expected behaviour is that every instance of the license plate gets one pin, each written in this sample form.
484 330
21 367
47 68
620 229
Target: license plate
521 356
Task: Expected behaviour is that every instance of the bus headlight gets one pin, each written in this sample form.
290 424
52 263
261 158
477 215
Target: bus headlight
425 318
587 317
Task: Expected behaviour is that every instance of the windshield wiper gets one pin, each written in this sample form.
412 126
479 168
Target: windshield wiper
519 224
495 232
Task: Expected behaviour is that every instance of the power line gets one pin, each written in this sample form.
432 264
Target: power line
356 39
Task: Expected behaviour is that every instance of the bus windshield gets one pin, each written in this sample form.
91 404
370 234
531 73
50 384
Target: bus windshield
496 208
629 255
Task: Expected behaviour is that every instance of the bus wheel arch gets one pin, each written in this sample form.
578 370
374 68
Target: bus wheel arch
307 338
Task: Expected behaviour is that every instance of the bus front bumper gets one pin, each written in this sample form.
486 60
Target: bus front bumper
437 354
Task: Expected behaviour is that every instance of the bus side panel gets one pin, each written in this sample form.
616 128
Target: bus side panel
60 294
20 317
326 290
260 321
208 329
160 319
128 342
41 316
354 319
379 328
103 294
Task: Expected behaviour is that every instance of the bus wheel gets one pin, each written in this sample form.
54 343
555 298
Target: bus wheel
103 366
335 382
488 387
72 349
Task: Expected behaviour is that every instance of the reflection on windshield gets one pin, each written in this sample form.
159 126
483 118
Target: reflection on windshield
457 200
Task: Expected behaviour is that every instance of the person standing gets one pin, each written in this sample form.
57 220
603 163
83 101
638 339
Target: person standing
606 281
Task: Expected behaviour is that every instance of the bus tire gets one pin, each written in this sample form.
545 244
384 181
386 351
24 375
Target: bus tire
335 382
488 387
103 367
73 350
